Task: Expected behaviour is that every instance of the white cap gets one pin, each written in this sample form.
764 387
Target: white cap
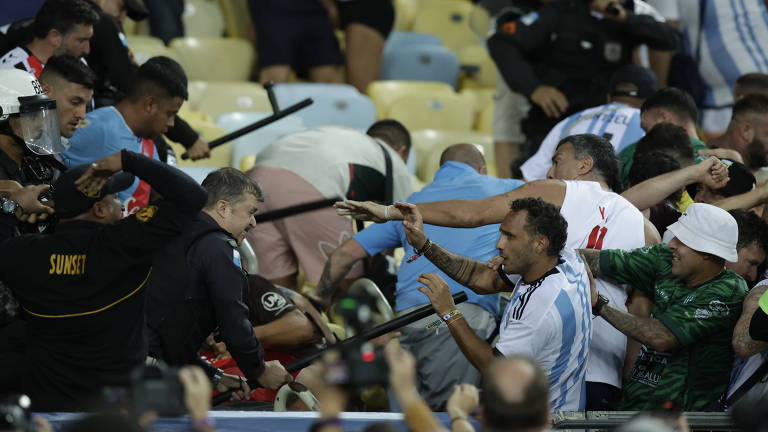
709 229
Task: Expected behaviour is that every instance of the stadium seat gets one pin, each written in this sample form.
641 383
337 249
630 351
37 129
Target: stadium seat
237 18
399 39
484 121
334 104
437 111
383 93
202 18
247 162
405 13
477 67
480 98
449 20
224 97
420 63
198 173
215 59
146 47
431 143
255 141
220 156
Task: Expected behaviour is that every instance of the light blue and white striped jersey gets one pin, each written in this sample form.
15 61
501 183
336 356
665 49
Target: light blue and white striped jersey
617 122
734 43
551 322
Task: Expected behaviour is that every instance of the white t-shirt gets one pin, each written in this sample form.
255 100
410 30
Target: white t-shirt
598 219
323 156
551 322
617 122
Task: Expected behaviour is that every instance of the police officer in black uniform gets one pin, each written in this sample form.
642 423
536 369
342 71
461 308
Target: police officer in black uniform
198 287
82 288
562 55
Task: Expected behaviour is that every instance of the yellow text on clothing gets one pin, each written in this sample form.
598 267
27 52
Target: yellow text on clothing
67 264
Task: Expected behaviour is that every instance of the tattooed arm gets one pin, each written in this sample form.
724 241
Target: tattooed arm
592 259
743 345
336 268
648 331
474 274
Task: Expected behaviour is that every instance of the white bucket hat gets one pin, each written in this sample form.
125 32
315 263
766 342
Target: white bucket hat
709 229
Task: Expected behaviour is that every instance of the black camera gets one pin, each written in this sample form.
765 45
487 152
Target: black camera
157 388
15 414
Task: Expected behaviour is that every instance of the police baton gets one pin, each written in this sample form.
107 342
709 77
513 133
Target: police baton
277 114
357 339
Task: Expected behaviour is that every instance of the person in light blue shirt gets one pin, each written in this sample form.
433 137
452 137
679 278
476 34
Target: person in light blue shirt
147 111
440 363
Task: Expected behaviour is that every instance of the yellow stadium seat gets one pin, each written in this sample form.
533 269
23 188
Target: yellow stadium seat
215 59
449 20
384 93
477 67
237 18
405 13
430 144
437 111
480 99
247 162
202 18
223 97
146 47
196 90
220 156
484 122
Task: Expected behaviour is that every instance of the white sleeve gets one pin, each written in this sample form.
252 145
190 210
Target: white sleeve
669 9
518 338
536 167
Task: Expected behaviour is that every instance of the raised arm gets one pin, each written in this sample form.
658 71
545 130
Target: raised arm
747 200
711 172
336 268
743 345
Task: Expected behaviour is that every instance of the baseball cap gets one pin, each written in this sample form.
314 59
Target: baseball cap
740 180
709 229
642 77
69 201
136 9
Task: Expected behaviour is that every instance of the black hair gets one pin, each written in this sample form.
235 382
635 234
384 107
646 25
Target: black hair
530 412
753 103
543 218
673 100
667 138
70 69
229 184
604 160
391 132
652 164
63 15
160 74
752 228
756 81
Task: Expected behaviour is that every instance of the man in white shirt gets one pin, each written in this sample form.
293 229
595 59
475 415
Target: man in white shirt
581 180
548 319
618 120
316 164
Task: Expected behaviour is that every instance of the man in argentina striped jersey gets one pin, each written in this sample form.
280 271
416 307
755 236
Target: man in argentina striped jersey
618 120
549 316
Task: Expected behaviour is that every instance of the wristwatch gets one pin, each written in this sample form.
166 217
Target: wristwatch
8 206
599 304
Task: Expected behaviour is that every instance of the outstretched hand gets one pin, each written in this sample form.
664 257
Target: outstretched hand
366 211
413 224
32 209
96 176
438 292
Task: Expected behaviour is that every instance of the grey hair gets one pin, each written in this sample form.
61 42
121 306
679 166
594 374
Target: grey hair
229 184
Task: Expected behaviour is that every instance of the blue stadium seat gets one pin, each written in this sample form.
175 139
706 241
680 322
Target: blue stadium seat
197 173
334 104
253 142
421 63
399 39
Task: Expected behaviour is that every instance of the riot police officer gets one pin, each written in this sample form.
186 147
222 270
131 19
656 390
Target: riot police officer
562 55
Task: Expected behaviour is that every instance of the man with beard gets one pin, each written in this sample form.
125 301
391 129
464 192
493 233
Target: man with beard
747 132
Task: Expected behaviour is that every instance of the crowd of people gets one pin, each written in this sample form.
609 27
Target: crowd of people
631 242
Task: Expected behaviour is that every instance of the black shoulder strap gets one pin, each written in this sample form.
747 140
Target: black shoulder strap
388 181
702 17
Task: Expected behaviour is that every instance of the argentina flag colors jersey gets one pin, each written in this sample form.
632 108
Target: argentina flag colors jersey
550 321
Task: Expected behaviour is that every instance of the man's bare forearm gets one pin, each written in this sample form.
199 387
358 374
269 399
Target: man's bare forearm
648 331
476 350
592 259
466 271
743 345
336 268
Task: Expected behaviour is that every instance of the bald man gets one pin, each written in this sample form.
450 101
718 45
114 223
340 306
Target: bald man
515 398
440 364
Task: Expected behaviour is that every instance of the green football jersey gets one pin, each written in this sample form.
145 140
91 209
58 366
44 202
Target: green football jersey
695 372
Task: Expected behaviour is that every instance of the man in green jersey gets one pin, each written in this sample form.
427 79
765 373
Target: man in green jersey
686 356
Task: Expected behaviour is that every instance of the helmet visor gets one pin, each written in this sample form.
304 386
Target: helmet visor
40 130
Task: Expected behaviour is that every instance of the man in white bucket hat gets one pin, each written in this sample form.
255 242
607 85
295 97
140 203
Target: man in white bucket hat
686 355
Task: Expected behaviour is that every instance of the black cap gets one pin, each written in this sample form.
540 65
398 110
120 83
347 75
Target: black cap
643 78
740 180
136 10
69 201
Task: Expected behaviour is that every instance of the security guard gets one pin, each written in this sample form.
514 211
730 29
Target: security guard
82 288
198 286
562 55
